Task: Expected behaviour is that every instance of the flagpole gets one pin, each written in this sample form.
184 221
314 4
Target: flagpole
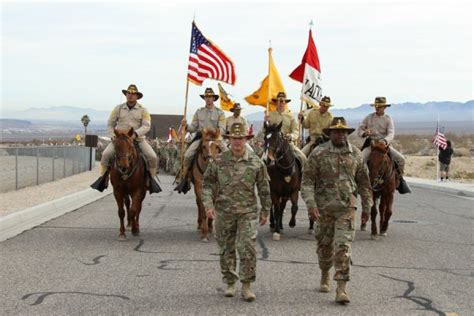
437 151
183 129
269 78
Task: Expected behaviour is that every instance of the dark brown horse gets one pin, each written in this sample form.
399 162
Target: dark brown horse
208 149
384 181
127 175
285 177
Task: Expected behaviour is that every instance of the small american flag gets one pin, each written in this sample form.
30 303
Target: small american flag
206 60
439 139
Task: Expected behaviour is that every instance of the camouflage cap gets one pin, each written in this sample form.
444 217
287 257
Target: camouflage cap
134 90
209 93
338 123
380 101
237 130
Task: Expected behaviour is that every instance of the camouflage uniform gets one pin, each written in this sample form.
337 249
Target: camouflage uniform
331 180
230 182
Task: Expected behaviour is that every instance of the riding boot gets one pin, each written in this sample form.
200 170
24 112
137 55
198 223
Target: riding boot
154 186
247 293
184 186
324 287
341 295
403 187
103 181
230 291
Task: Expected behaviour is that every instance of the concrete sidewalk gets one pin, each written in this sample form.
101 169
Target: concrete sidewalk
461 189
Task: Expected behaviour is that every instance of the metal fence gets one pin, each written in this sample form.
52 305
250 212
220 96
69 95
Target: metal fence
26 166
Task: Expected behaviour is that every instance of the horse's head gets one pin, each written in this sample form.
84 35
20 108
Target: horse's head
211 143
378 161
273 139
125 153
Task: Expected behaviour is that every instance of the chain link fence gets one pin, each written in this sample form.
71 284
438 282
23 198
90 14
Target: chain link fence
26 166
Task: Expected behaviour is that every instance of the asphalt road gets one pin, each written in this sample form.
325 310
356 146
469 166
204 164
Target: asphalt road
75 265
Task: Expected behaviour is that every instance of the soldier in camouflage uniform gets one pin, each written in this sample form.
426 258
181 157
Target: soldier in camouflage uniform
229 196
332 178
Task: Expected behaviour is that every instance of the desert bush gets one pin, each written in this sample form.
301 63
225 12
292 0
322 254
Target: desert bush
464 175
462 152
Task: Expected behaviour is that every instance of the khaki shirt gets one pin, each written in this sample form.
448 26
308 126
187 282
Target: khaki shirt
289 126
205 118
332 178
232 119
123 118
229 184
316 122
381 125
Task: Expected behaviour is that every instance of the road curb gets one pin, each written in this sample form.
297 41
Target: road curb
17 222
461 191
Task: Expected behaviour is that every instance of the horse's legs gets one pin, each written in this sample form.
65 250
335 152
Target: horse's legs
382 211
134 210
373 217
126 199
272 218
294 208
119 198
277 215
139 210
388 214
202 216
283 201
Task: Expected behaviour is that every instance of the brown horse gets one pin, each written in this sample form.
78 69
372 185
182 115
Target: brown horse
127 175
207 151
384 180
285 177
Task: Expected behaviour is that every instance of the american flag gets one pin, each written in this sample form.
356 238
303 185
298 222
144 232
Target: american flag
439 139
206 60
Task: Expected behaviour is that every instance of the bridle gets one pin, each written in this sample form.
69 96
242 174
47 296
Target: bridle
280 149
383 174
206 158
131 156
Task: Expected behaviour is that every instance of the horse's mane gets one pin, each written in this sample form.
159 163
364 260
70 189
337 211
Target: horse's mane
270 128
380 146
211 133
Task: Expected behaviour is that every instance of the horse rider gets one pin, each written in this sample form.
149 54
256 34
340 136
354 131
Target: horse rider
229 196
316 121
378 126
123 117
332 177
209 116
289 126
236 118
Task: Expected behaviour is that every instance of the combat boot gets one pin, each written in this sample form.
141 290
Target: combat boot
154 186
230 291
341 295
324 288
247 293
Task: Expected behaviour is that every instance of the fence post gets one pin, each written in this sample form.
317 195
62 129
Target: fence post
53 163
64 162
37 165
16 169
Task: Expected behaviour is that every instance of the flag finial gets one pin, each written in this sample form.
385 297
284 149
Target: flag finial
311 24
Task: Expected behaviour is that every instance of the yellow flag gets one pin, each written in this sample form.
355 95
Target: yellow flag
78 137
226 102
270 86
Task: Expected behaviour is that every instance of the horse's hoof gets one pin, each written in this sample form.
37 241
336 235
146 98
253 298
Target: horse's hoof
205 239
311 231
384 234
363 228
135 233
292 223
122 238
276 236
374 237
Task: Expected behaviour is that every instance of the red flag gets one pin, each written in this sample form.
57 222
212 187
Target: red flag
309 74
206 60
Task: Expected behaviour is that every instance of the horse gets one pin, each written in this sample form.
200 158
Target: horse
384 180
127 175
285 177
206 152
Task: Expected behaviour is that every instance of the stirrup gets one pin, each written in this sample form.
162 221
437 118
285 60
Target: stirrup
183 186
154 186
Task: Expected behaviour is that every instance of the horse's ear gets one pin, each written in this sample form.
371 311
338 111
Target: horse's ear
116 132
130 132
280 125
265 125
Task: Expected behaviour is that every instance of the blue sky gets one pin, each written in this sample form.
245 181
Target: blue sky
83 53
